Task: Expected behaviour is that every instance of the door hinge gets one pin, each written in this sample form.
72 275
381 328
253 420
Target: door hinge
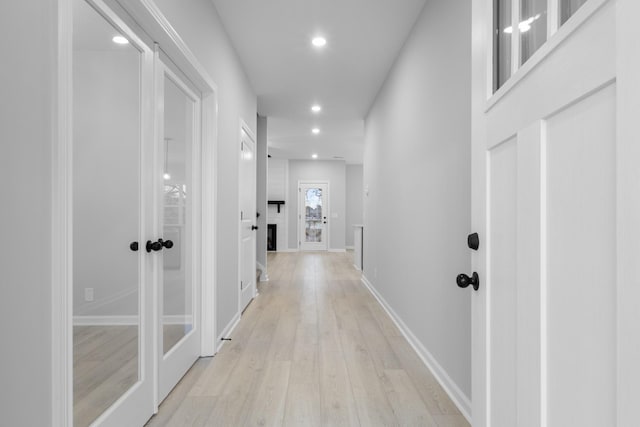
241 215
240 284
299 190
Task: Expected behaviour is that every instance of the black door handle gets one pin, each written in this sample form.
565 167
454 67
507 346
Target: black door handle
134 246
153 246
464 281
166 243
473 241
254 227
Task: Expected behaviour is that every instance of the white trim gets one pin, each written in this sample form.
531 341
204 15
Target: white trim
581 16
61 226
350 248
288 250
339 251
450 387
228 330
264 276
129 320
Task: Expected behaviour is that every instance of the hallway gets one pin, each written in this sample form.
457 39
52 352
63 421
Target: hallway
314 348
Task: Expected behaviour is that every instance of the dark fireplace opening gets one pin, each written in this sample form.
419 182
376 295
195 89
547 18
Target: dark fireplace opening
272 234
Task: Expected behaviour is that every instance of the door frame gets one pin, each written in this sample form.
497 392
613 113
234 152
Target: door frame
328 210
147 22
244 127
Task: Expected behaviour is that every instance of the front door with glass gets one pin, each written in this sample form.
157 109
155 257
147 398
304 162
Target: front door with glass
313 216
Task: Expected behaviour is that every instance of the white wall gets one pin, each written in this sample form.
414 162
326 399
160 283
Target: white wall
278 178
331 171
416 167
354 191
261 191
199 25
26 99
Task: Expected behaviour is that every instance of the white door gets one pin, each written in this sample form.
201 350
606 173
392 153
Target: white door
113 375
248 227
178 191
313 216
555 203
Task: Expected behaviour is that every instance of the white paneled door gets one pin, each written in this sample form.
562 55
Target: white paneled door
313 216
247 215
554 190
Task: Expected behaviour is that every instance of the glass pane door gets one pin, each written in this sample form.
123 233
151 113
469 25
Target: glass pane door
314 216
108 263
177 318
178 173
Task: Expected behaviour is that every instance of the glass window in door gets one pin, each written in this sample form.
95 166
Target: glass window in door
313 215
177 316
106 214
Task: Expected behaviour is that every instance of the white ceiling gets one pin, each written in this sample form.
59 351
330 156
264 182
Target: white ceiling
273 40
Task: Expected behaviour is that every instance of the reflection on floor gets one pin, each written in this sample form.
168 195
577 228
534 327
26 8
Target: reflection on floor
105 365
314 348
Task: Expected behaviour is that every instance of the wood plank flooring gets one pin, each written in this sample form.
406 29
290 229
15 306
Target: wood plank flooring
313 349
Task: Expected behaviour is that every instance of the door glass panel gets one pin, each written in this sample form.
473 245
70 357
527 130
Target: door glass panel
313 215
568 8
502 42
533 26
106 214
177 319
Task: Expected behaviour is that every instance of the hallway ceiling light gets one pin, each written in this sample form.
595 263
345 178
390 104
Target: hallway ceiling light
120 40
319 41
315 131
316 108
314 156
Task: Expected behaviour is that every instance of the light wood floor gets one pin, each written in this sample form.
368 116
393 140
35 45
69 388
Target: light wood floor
314 348
105 366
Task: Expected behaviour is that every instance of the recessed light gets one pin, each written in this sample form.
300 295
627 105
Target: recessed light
319 41
120 40
314 156
316 108
315 131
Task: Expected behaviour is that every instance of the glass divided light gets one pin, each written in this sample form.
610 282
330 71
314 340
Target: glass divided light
177 281
106 215
532 27
313 215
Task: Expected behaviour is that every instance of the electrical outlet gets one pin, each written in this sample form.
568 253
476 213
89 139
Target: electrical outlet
88 294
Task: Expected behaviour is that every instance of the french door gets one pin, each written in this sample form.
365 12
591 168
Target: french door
313 216
554 194
136 222
113 216
178 276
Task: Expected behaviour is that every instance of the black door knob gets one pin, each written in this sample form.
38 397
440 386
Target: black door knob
153 246
134 246
166 243
473 241
464 281
254 227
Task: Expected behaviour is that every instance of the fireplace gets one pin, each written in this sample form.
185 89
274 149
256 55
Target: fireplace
272 237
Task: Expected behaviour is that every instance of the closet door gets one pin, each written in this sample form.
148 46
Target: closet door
178 143
112 271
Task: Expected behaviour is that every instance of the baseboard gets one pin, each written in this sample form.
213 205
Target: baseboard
339 251
125 320
89 307
264 277
228 330
287 250
450 387
357 268
350 248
